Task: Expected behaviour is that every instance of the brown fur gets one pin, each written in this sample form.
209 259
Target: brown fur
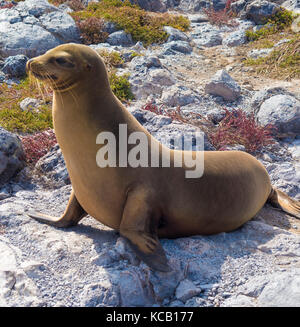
142 203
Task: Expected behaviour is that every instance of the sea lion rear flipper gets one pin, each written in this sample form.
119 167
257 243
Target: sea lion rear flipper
139 225
279 199
72 215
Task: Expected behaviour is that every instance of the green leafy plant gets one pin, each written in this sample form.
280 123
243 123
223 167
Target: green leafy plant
142 25
120 86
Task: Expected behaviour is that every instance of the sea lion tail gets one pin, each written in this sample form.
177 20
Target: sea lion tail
279 199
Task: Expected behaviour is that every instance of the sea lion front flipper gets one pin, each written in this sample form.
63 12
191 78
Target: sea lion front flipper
71 217
139 225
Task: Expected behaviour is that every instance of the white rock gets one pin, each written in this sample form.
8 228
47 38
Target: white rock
222 84
186 290
283 111
29 104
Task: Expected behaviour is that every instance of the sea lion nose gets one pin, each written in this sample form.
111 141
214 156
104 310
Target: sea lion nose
28 65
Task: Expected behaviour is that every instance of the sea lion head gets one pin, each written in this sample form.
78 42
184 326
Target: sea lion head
67 65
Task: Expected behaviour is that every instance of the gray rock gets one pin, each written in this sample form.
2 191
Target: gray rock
283 289
177 46
293 5
101 294
260 11
222 84
11 155
29 104
209 39
235 38
15 66
198 18
259 53
175 34
61 25
175 96
141 62
33 27
53 166
35 8
120 38
283 111
239 301
132 290
186 290
21 38
110 27
151 5
238 6
295 25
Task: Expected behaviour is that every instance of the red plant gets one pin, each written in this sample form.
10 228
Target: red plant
37 145
7 6
239 128
92 30
235 128
220 17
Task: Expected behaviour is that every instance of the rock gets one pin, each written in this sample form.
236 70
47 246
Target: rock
177 46
15 66
29 104
235 38
293 5
222 84
260 11
283 289
165 284
32 27
141 62
175 96
283 111
120 38
30 40
100 294
295 25
175 34
186 290
151 5
197 18
11 156
53 166
35 8
132 291
109 27
259 53
238 6
61 25
209 39
239 301
151 83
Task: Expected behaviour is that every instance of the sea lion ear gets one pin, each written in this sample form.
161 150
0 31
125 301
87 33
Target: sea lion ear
88 66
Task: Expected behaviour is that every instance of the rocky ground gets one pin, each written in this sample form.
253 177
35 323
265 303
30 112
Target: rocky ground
91 265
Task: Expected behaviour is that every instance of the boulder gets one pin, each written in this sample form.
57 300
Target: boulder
120 38
260 11
235 38
223 85
293 5
177 46
11 155
15 66
34 26
175 34
283 111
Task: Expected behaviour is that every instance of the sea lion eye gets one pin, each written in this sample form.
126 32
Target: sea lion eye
64 62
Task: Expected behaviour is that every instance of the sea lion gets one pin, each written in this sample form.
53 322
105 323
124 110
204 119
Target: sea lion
143 204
